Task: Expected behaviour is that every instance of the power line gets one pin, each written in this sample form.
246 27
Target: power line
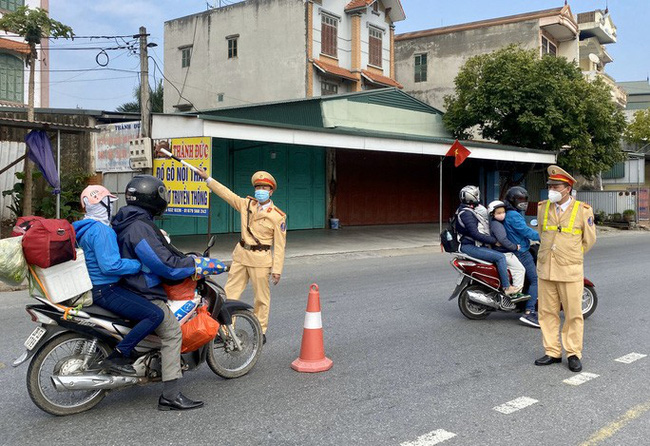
155 64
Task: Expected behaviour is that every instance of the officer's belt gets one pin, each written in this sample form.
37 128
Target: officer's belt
259 247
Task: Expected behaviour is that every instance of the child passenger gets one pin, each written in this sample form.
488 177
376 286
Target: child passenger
497 211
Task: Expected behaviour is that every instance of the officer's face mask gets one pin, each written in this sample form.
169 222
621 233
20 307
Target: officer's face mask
262 195
555 196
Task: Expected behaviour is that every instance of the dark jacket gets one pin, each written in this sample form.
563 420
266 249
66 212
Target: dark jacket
138 240
469 228
102 253
498 230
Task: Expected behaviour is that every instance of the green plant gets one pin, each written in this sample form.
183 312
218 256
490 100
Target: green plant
17 192
629 214
616 216
72 184
600 216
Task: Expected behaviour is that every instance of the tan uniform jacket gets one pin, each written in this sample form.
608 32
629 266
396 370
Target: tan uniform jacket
561 253
269 226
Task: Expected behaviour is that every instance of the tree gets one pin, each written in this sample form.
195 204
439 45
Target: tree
638 131
156 97
32 25
514 97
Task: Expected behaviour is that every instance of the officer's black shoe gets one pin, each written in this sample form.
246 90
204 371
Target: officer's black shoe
263 339
181 402
574 363
547 360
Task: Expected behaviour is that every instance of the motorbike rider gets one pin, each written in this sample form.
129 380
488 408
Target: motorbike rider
105 267
472 239
139 238
516 200
497 212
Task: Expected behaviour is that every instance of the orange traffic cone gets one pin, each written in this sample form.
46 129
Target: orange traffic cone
312 351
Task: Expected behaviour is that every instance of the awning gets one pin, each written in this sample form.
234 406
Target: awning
333 70
379 79
12 45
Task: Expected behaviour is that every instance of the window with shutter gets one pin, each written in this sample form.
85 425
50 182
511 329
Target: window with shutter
329 35
375 43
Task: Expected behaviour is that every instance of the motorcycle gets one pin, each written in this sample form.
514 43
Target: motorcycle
478 289
63 348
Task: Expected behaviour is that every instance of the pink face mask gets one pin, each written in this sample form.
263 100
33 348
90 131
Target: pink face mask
500 217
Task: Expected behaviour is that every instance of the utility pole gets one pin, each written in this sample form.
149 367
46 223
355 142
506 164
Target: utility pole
145 103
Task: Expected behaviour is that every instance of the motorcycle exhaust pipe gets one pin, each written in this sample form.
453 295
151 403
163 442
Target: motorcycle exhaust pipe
92 382
480 298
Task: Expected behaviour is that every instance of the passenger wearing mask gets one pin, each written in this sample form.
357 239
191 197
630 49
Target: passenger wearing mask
475 233
497 212
516 200
139 238
106 267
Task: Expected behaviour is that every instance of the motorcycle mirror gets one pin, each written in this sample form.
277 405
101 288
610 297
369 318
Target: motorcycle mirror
533 222
206 253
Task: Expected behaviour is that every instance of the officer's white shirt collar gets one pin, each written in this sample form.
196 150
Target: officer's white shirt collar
563 207
263 207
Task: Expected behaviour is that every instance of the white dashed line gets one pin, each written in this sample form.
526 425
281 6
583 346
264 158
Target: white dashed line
434 437
628 359
515 405
580 379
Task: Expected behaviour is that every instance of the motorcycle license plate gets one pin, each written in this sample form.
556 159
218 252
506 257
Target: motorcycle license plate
33 338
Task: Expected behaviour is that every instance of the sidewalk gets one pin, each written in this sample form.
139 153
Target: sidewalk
349 239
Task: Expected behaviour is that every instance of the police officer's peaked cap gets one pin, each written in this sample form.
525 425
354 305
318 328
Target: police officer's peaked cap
262 178
557 175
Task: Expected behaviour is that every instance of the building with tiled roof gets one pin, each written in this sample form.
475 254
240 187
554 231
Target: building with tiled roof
15 75
270 50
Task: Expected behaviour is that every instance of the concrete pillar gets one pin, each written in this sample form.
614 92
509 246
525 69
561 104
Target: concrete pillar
356 50
309 72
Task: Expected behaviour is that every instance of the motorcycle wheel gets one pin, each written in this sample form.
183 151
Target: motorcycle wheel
62 355
470 309
223 357
589 301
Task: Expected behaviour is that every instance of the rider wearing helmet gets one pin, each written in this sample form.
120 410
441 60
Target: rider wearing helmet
475 233
106 267
518 232
139 238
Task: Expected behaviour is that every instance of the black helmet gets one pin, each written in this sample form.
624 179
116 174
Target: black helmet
517 196
147 192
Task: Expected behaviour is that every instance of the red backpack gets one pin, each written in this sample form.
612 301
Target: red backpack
47 242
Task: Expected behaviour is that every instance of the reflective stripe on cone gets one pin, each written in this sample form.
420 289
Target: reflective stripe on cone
312 350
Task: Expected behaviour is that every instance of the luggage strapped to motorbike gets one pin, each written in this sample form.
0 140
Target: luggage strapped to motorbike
37 289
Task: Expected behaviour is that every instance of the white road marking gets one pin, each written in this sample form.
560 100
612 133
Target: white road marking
434 437
580 379
628 359
515 405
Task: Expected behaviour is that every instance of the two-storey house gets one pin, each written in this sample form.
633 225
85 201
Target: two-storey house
272 50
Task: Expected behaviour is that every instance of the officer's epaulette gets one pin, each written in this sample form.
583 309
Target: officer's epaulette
279 211
586 205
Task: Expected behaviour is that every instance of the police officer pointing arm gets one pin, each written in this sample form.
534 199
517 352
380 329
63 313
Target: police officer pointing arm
260 251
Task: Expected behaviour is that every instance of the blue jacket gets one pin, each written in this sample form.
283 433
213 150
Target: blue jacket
470 232
498 231
137 240
103 260
518 231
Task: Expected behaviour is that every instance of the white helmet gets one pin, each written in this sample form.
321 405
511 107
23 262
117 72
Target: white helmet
494 205
470 195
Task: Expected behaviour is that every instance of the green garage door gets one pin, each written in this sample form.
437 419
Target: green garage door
300 173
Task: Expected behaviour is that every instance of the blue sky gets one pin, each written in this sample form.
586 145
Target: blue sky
97 88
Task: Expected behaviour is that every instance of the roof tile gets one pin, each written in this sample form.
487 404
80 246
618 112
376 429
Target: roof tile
379 79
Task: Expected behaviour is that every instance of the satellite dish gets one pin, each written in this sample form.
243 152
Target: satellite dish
595 59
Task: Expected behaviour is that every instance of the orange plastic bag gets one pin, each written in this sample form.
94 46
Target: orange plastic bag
182 291
199 330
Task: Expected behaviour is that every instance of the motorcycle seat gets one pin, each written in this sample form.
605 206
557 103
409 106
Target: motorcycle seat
96 310
473 259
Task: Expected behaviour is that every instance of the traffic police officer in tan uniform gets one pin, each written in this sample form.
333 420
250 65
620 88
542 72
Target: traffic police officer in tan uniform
567 232
263 226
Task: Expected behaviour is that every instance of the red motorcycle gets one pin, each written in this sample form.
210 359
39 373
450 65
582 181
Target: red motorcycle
478 289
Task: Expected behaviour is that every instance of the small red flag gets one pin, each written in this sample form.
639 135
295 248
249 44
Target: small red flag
459 152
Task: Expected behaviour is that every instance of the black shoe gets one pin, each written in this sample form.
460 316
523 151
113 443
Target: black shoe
181 402
118 366
574 363
263 339
547 360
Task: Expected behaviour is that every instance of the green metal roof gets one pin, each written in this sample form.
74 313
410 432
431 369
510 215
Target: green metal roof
308 111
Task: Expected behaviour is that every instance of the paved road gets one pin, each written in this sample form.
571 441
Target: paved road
408 368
